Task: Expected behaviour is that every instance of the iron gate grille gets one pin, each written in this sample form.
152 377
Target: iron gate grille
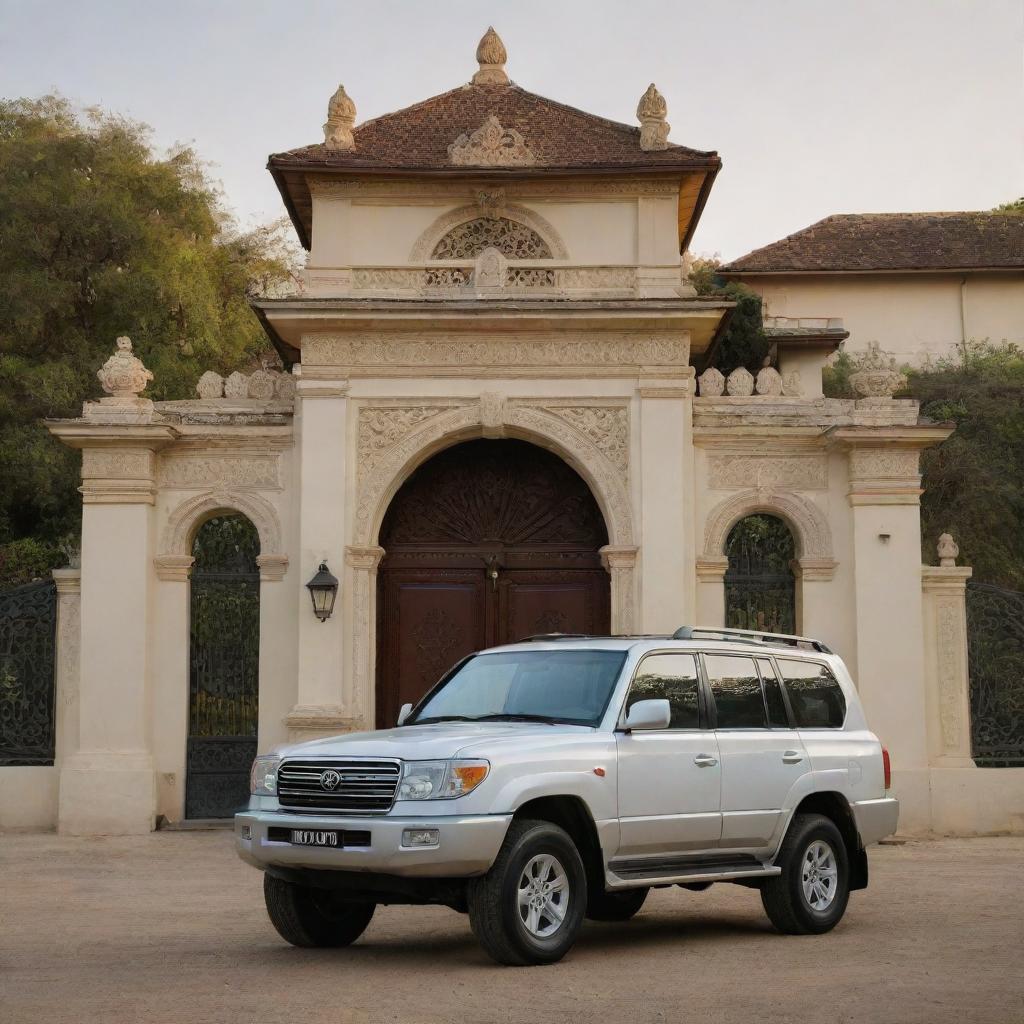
995 645
759 587
28 623
223 667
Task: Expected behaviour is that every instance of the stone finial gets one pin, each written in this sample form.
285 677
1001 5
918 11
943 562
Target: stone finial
651 112
341 116
740 383
491 56
123 376
768 382
210 385
877 376
948 550
712 383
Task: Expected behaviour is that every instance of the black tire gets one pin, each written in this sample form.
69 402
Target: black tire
784 899
312 918
493 899
616 906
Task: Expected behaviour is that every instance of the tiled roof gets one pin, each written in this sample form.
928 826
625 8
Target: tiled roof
558 136
870 242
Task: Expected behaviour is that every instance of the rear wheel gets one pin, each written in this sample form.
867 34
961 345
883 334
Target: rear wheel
310 917
811 894
616 906
529 907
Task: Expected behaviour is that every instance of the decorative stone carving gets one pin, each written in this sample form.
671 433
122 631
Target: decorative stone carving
877 376
460 189
471 238
651 112
491 145
284 387
793 384
341 116
883 464
117 464
380 428
740 383
429 241
236 386
607 426
261 385
210 385
490 269
223 470
492 413
712 383
948 549
796 472
491 202
949 626
123 376
769 381
491 56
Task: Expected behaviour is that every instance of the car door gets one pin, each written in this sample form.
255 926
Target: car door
669 779
762 756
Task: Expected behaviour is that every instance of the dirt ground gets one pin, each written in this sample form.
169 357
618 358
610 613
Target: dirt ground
171 928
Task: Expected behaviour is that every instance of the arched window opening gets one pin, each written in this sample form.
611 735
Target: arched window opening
224 646
513 240
760 590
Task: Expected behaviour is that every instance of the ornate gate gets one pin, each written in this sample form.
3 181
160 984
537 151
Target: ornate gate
28 621
995 646
224 645
759 585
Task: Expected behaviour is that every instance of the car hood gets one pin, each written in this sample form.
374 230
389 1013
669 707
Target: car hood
431 741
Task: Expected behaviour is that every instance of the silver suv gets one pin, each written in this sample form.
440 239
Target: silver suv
562 777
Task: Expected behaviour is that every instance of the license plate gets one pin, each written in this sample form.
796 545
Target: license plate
315 837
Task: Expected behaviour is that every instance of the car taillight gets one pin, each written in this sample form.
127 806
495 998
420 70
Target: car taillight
886 768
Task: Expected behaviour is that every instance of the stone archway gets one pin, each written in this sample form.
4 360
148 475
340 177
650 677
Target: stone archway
486 542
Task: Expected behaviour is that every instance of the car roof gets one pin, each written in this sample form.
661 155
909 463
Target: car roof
640 644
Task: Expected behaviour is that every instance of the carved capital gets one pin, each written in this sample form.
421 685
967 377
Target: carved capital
814 570
176 568
68 581
618 556
364 558
272 567
712 570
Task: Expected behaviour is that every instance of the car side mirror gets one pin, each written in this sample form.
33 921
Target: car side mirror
407 711
649 715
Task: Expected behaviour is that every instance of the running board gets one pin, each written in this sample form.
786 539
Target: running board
670 871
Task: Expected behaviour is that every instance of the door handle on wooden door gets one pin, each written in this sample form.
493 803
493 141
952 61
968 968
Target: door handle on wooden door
705 761
792 757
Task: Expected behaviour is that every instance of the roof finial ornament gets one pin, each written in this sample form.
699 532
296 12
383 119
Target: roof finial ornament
341 116
491 55
650 112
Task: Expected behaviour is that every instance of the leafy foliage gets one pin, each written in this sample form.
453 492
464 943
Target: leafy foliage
100 236
1016 206
974 481
744 342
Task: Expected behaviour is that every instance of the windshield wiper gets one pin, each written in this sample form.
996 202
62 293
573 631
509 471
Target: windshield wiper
443 718
546 719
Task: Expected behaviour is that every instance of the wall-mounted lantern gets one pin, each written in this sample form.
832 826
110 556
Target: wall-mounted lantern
323 589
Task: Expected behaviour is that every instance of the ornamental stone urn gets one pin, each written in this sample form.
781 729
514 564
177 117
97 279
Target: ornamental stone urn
877 377
123 376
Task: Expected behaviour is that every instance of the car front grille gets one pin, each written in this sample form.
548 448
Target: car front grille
361 787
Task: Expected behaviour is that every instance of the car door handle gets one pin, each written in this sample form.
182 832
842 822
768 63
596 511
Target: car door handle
792 757
705 761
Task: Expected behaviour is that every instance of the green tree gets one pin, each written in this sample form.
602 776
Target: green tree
102 236
744 342
974 481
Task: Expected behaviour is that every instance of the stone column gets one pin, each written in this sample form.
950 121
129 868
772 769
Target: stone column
946 676
620 563
711 591
69 646
361 576
322 413
667 533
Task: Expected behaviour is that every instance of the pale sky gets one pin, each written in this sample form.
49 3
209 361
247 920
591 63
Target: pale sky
815 106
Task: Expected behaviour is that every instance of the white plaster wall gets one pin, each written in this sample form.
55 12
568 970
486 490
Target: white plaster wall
912 316
28 798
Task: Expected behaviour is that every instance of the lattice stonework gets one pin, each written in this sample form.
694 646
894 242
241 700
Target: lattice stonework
513 240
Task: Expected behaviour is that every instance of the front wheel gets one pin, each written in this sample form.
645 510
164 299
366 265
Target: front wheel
310 917
811 894
528 909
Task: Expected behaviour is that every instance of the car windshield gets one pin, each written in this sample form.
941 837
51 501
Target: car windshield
549 686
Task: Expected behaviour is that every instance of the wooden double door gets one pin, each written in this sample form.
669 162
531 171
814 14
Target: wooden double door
486 543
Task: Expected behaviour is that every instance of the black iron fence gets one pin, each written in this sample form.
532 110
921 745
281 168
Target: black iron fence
995 644
28 624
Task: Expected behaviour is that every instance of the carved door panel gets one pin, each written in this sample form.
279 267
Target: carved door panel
554 601
429 620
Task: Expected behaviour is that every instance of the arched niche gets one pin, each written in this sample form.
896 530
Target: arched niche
530 221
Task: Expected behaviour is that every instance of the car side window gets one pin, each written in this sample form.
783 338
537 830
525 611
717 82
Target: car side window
736 687
672 677
814 693
773 699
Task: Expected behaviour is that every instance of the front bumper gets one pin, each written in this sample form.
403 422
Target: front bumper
468 844
876 819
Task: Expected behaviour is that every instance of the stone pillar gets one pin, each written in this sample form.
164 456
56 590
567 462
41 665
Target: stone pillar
815 597
667 530
360 691
323 436
620 563
711 591
69 646
946 677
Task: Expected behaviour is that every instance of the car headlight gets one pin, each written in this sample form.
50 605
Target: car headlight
441 780
263 777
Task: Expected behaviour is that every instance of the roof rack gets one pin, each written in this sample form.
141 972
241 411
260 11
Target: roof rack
751 636
537 638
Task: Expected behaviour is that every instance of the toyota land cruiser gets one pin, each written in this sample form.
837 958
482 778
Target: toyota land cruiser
564 776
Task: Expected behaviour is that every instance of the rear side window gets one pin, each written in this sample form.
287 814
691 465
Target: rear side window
736 687
672 677
777 717
814 694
